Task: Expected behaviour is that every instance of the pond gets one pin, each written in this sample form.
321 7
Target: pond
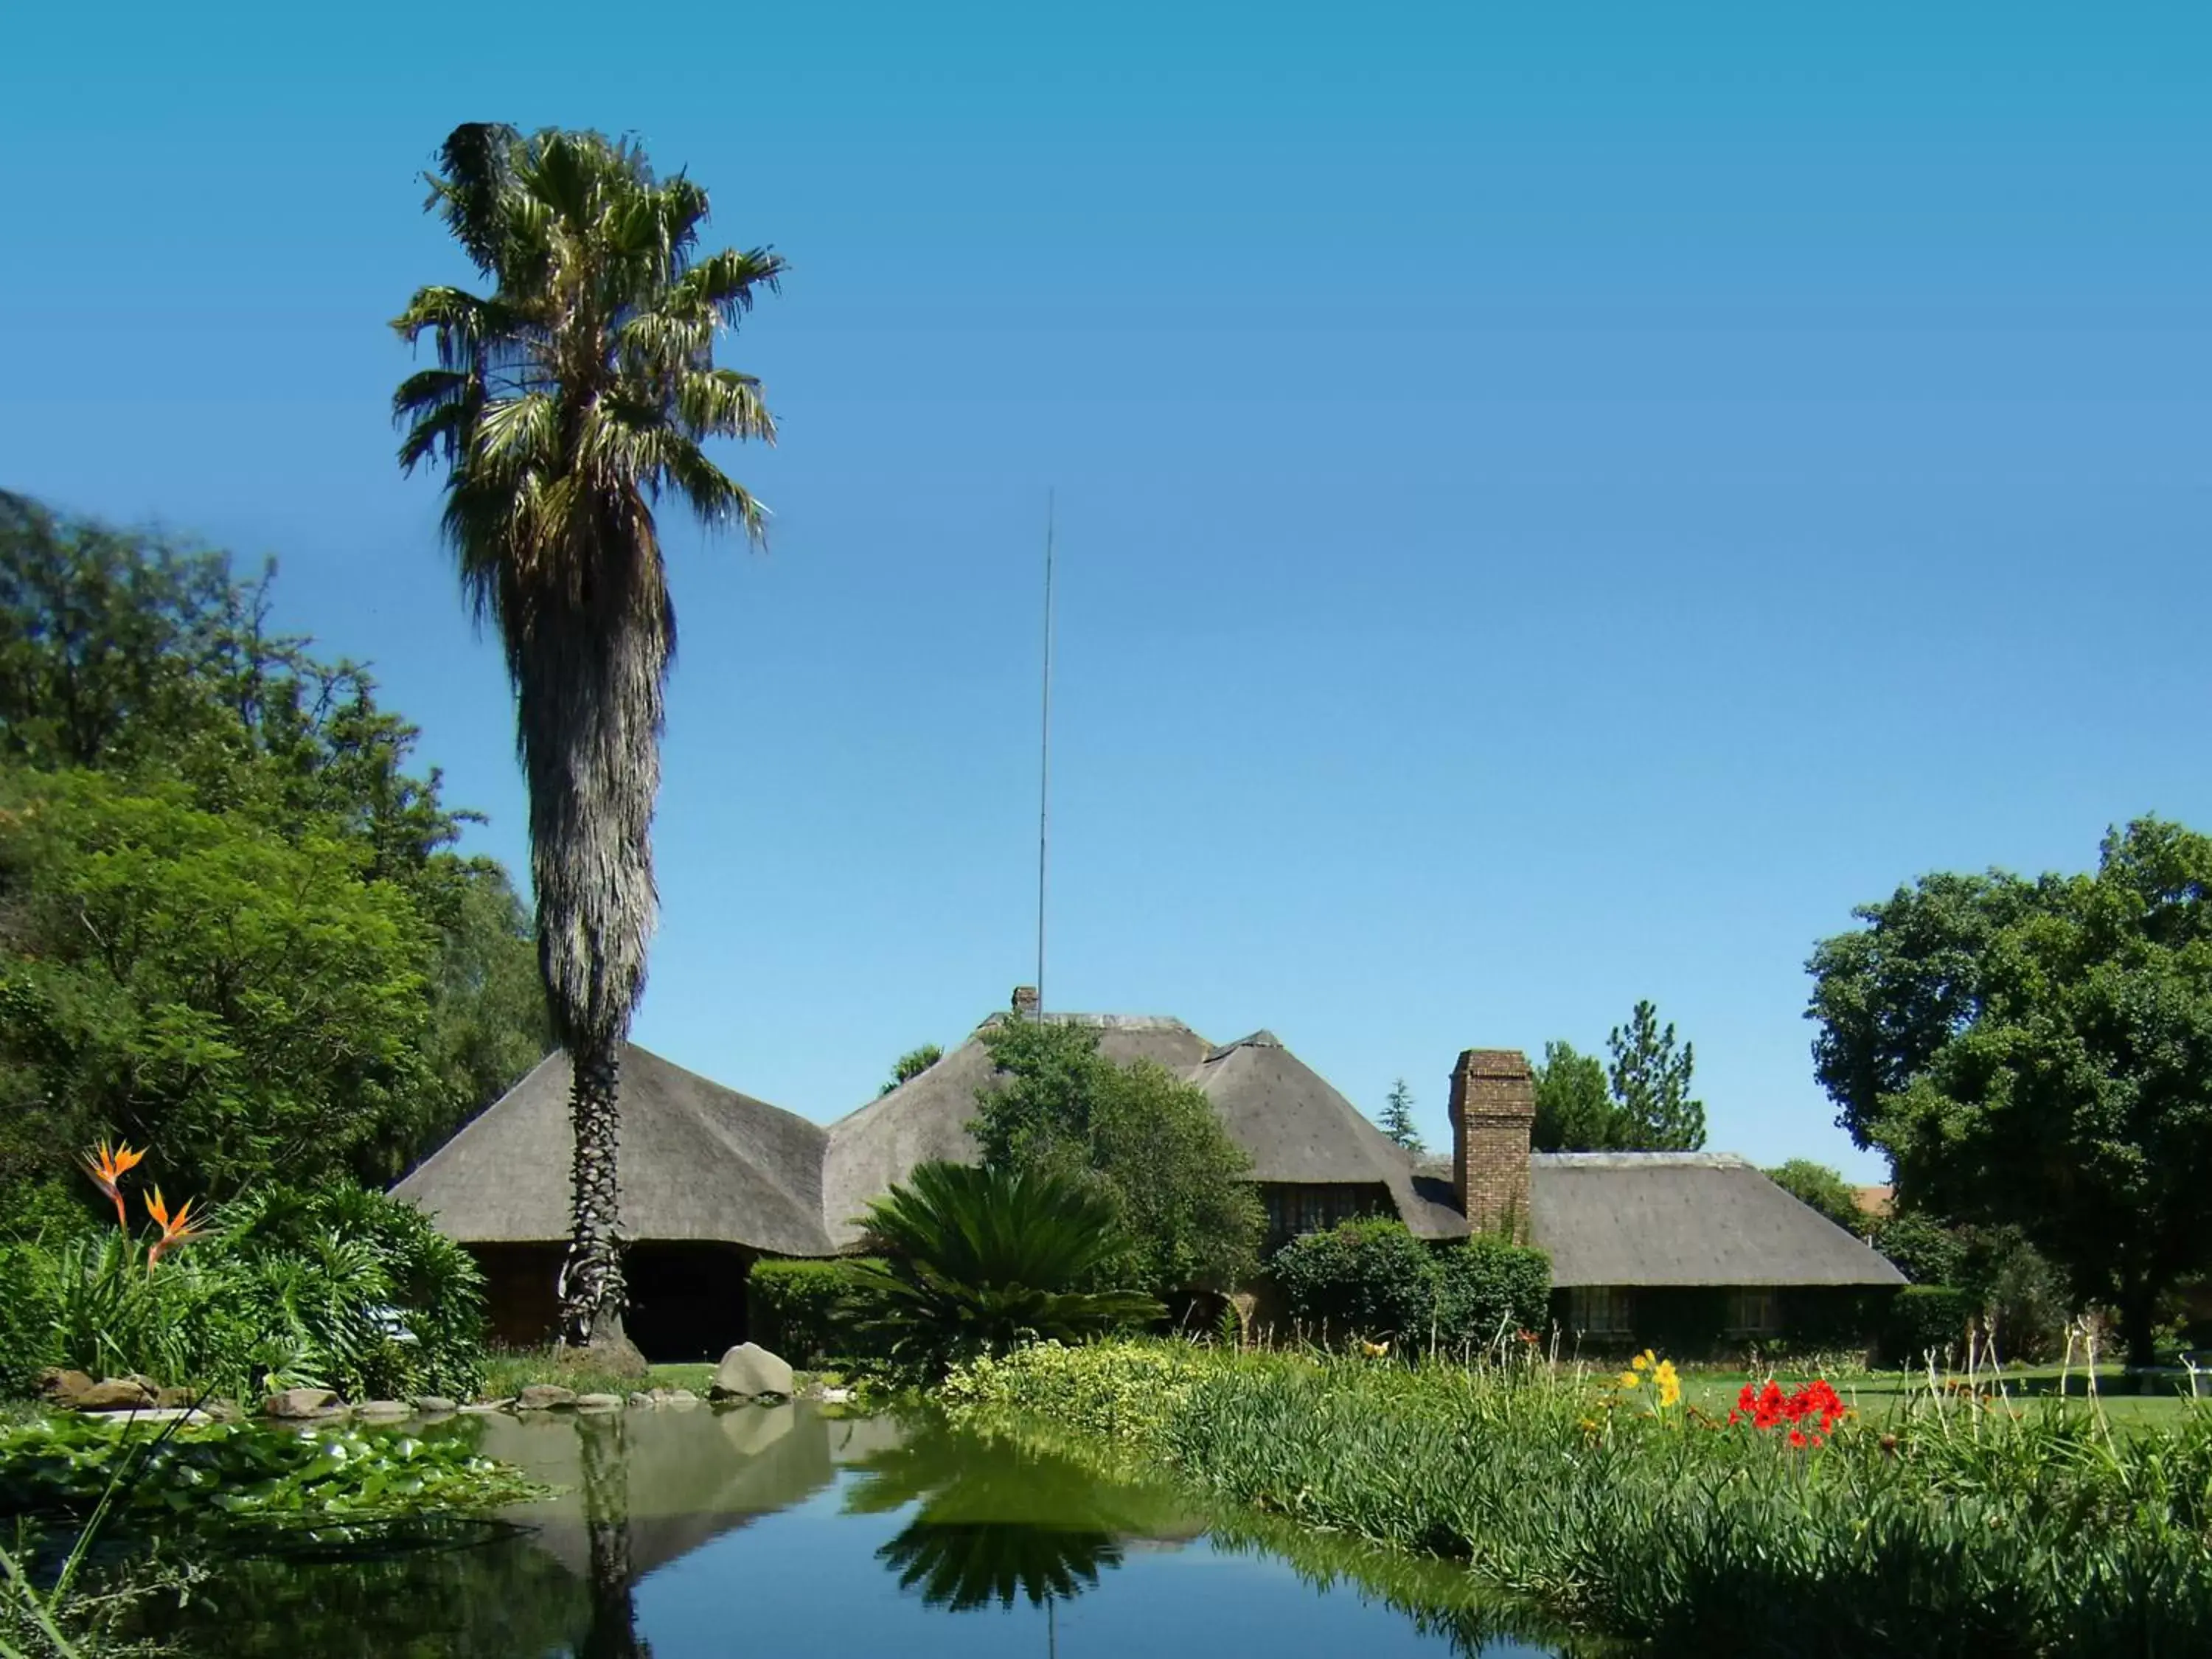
683 1533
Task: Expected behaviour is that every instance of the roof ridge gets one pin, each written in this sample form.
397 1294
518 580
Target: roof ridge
1644 1160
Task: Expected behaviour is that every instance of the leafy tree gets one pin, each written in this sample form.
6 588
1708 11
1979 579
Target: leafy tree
1397 1121
2039 1054
1368 1279
563 405
978 1259
1151 1141
1819 1188
911 1065
1650 1083
195 981
1574 1111
149 662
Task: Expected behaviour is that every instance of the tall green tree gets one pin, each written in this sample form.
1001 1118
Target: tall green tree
1649 1078
1149 1140
2038 1054
565 403
146 699
1575 1110
1397 1119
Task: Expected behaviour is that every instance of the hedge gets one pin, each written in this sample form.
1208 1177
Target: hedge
808 1312
1375 1279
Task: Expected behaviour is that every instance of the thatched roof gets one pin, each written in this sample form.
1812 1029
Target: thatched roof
1298 1129
926 1117
697 1162
1686 1218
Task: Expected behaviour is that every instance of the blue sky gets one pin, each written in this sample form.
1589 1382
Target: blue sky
1556 504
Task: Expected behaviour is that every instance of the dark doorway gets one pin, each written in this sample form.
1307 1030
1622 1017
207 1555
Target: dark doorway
687 1301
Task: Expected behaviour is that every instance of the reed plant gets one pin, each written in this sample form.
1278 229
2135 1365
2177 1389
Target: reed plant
1957 1521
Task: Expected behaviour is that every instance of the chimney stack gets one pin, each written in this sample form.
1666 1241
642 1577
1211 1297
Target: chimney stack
1025 1002
1493 1106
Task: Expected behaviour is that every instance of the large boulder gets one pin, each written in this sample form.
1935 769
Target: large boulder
116 1393
748 1371
295 1403
60 1386
545 1397
603 1355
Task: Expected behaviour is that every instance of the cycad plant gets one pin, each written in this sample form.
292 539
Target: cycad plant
564 403
978 1259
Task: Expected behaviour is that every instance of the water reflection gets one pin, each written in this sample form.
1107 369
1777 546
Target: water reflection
993 1526
881 1530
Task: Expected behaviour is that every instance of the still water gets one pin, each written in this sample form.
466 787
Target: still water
683 1534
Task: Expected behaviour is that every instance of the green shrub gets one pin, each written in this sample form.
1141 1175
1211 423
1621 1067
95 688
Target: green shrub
1945 1527
1926 1319
812 1313
336 1287
26 1321
1362 1279
1488 1289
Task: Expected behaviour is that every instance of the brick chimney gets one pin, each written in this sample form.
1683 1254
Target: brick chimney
1494 1105
1025 1002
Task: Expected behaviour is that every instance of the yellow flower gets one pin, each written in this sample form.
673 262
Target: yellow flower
1644 1361
1670 1386
1628 1379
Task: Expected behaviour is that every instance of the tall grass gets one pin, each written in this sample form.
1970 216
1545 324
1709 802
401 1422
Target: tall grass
1950 1525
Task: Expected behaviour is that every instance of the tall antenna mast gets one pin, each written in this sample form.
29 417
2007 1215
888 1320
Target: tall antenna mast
1044 752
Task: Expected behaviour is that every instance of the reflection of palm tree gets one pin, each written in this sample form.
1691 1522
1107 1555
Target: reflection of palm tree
613 1632
961 1566
995 1524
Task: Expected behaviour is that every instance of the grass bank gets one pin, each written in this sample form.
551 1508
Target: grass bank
1935 1524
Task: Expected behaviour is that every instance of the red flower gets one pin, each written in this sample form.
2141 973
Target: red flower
1796 1436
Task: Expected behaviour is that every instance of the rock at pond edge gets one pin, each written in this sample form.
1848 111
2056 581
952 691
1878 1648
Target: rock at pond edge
748 1371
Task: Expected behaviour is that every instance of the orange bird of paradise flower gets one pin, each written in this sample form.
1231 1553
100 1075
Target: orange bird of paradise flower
107 1169
175 1230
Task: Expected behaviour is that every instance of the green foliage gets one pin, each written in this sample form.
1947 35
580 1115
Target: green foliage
1149 1142
166 762
250 1002
1925 1320
1819 1188
240 1475
813 1313
1397 1119
1490 1289
1575 1113
978 1259
1640 1104
1374 1280
1359 1278
2039 1054
1650 1082
1976 1531
335 1287
911 1065
1925 1250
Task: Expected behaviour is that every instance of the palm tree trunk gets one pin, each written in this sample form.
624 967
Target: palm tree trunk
592 1293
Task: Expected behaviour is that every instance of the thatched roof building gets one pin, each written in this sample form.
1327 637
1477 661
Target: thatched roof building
712 1178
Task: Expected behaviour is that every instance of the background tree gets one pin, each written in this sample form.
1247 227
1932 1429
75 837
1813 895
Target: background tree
2038 1054
1149 1140
277 901
1819 1188
563 405
1397 1120
1650 1082
911 1065
1575 1110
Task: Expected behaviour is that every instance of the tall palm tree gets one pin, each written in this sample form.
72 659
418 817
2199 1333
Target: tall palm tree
564 403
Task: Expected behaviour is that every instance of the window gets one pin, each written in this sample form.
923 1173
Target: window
1313 1208
1755 1312
1599 1310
